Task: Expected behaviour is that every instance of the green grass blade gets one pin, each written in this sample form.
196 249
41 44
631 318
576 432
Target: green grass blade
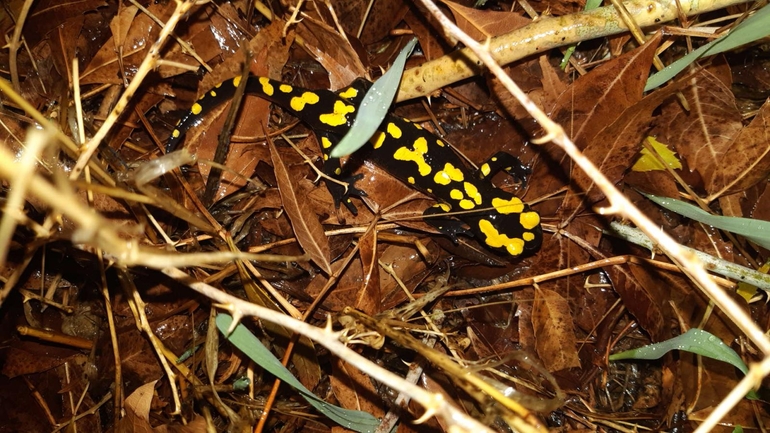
757 231
374 107
695 341
753 28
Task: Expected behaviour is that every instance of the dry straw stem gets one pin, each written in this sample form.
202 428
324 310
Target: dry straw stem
620 205
544 34
148 64
97 231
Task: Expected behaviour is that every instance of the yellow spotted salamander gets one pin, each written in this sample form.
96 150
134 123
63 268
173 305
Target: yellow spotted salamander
498 219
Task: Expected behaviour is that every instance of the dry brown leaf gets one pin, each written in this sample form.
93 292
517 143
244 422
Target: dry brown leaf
746 160
638 290
63 43
405 260
704 135
354 389
140 400
346 290
715 382
121 25
538 79
592 105
432 43
105 67
45 16
369 298
483 24
221 35
596 100
554 331
383 17
525 301
307 229
137 419
614 148
332 51
761 207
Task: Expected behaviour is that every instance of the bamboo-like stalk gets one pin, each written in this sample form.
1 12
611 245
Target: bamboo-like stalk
544 34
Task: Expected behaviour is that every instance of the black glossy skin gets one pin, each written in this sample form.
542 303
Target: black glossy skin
498 219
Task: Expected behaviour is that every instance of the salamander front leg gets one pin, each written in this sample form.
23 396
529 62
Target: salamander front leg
504 161
333 169
446 225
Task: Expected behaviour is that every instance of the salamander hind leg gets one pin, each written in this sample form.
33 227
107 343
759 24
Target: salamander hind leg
333 169
448 226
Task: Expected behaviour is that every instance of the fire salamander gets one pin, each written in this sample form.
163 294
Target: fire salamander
498 219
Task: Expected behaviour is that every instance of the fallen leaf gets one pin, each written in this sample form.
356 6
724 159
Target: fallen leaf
746 160
369 297
704 135
354 389
483 24
554 331
307 229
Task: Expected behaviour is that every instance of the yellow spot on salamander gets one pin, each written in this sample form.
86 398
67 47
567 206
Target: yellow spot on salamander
337 171
495 239
267 86
338 117
176 133
297 103
285 88
196 109
417 155
440 143
377 142
467 204
445 207
326 143
448 174
410 179
528 236
326 157
394 130
529 220
237 81
472 192
485 170
430 190
350 92
212 93
514 205
456 194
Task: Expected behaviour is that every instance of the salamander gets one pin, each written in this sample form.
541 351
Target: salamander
498 219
